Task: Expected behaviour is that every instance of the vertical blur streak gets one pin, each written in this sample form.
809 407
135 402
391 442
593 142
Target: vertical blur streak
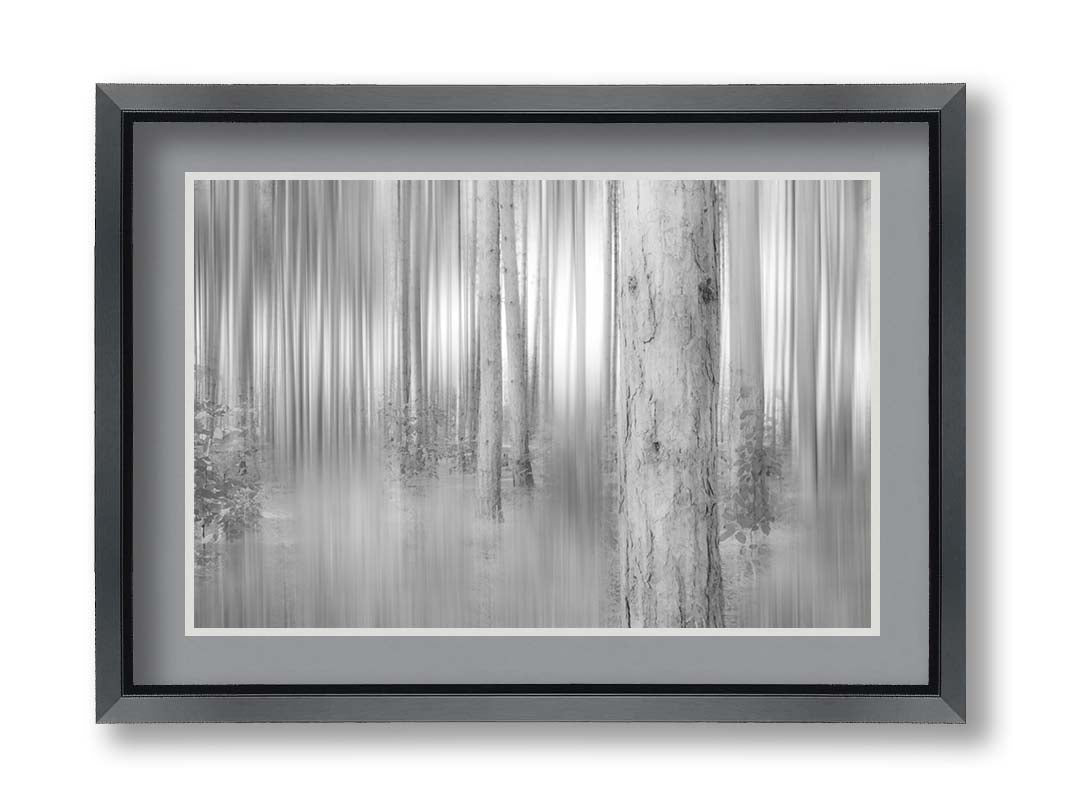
340 357
815 310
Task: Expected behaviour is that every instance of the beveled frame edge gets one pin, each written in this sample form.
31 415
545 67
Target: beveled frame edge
118 106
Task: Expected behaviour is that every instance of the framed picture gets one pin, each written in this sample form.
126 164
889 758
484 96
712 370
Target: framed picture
530 403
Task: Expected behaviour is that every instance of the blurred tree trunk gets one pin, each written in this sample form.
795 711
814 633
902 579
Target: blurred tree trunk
610 291
418 370
403 201
534 302
522 474
748 507
470 262
490 401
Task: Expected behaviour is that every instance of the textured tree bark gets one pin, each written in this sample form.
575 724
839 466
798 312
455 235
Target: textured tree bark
490 401
522 474
669 361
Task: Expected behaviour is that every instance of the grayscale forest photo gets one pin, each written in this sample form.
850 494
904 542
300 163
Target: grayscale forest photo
631 403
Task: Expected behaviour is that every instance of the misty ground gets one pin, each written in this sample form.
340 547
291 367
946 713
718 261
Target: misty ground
415 556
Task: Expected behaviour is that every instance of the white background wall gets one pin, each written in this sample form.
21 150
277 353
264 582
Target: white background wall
1007 53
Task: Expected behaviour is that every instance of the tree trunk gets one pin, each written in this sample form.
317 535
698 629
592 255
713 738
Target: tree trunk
609 305
550 223
747 459
542 319
470 238
262 275
533 301
522 474
417 409
522 245
490 401
669 361
403 201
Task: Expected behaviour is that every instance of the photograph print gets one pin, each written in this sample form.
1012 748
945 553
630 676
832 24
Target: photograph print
604 404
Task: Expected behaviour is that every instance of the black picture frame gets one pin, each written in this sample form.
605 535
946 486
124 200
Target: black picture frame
118 699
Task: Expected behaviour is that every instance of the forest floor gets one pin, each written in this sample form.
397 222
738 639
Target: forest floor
412 554
752 578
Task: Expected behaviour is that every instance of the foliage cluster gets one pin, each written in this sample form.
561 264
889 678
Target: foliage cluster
228 483
748 512
419 439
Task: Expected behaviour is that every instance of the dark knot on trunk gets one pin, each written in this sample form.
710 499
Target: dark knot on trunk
707 294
